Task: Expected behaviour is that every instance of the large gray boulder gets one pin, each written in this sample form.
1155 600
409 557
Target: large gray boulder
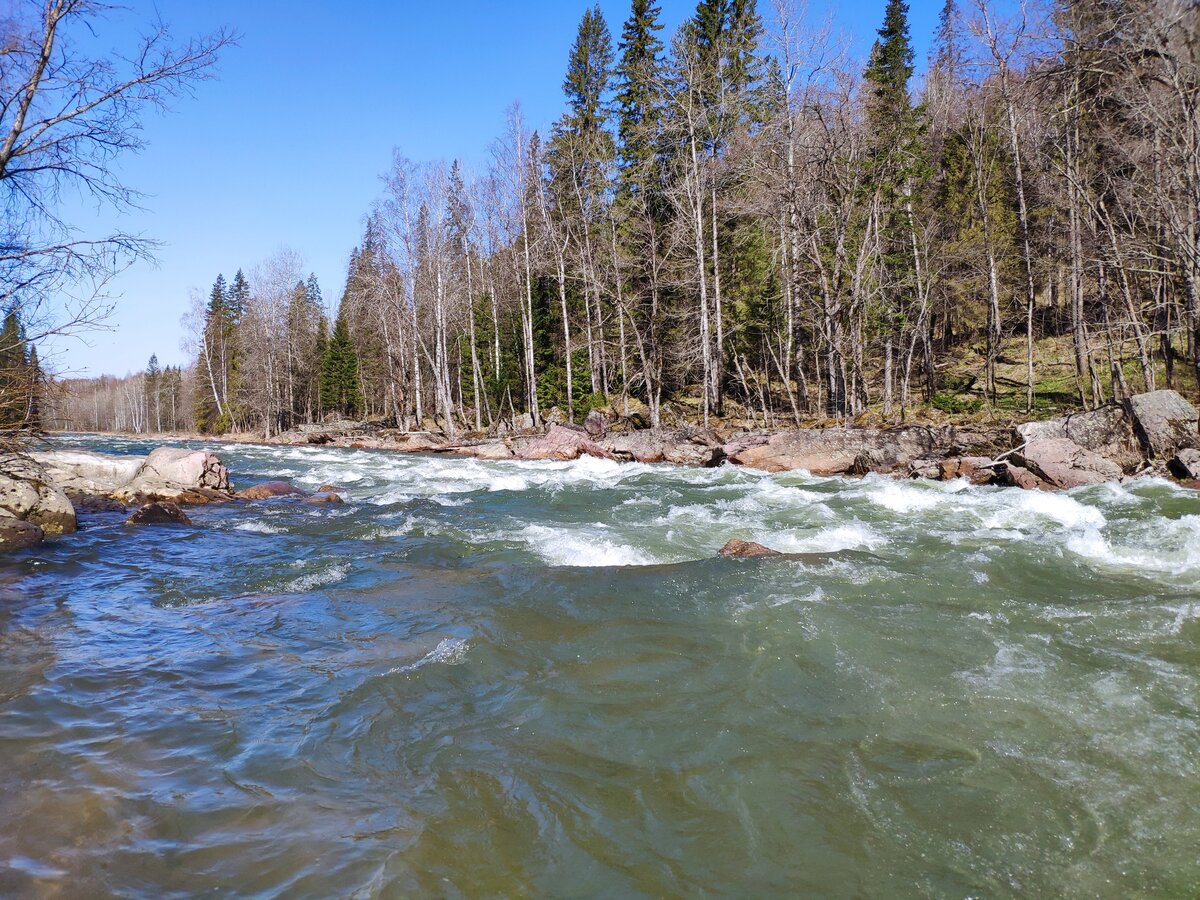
1107 431
168 473
1164 422
28 494
1064 464
684 446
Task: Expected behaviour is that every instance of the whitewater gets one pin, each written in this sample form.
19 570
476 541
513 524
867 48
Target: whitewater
537 678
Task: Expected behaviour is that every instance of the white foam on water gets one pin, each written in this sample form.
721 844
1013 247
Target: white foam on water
563 547
851 536
322 578
1169 546
903 497
449 652
1026 509
259 528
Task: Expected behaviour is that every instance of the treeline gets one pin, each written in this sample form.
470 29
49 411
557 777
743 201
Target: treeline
23 384
155 400
747 223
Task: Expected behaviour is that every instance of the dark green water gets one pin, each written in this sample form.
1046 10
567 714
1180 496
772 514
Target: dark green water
534 679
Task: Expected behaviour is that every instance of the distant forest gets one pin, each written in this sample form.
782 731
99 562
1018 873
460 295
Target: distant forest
742 223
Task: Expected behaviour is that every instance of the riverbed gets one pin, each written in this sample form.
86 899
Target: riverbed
536 679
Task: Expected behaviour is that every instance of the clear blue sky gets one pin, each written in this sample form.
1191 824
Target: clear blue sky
286 146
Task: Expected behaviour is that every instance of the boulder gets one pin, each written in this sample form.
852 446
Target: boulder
1019 476
1164 422
86 473
562 443
160 512
1062 463
835 451
738 549
29 494
491 450
169 472
636 446
268 490
326 489
324 497
687 446
1107 431
975 469
1186 465
89 503
596 424
18 535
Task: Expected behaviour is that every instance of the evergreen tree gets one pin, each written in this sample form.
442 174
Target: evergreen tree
14 360
37 383
340 391
639 108
153 386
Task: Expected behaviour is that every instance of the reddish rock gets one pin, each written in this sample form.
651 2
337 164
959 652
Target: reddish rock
268 490
1019 476
324 497
738 549
561 443
326 489
1064 464
159 513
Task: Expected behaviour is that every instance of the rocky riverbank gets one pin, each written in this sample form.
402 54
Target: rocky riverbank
1156 433
1150 434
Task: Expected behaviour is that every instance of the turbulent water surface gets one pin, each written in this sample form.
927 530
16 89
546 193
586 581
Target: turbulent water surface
485 679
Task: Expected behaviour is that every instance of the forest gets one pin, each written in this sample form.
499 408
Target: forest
743 223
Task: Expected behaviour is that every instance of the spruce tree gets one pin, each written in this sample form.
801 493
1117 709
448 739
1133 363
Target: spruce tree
339 387
639 105
37 381
153 386
13 371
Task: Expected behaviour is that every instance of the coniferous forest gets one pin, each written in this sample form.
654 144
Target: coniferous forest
743 222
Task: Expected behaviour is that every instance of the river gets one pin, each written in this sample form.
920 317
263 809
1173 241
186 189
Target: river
535 679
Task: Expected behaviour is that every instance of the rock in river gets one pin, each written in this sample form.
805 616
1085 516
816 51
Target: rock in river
159 513
269 489
738 549
29 494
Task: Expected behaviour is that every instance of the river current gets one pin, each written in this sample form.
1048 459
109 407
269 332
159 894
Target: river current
535 679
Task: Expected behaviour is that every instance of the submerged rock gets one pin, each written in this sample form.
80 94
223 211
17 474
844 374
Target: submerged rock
160 512
16 534
28 494
321 497
738 549
1064 464
1164 422
268 490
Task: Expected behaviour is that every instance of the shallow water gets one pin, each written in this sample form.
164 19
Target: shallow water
534 679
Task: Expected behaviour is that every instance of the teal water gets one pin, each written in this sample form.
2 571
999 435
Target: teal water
535 679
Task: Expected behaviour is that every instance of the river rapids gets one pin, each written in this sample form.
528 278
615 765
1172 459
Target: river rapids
536 679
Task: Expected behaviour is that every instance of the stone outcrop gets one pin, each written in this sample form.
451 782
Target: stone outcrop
1107 431
28 494
685 446
322 497
1064 464
738 549
562 443
168 473
160 512
1164 422
845 450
